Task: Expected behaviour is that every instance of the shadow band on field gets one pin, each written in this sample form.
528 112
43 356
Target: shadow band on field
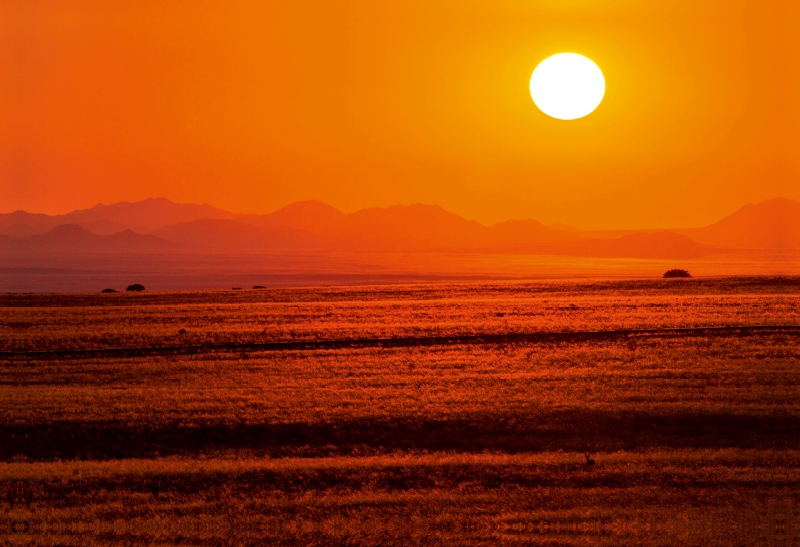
569 430
424 341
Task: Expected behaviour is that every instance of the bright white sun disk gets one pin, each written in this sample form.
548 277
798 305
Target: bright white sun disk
567 86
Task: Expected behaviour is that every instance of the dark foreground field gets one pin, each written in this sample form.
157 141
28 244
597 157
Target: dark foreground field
409 415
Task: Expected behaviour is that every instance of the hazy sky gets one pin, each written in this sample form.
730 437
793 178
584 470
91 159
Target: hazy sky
250 105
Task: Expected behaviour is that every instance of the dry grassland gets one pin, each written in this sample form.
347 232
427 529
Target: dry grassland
695 437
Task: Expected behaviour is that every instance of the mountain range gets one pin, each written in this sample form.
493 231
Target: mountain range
162 225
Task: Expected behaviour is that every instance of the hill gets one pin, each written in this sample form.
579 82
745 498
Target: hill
311 216
148 214
770 224
71 237
406 227
141 216
415 228
312 225
206 233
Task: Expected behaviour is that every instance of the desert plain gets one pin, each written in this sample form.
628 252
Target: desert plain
619 412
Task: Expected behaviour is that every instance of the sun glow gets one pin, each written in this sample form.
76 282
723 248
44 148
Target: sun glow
567 86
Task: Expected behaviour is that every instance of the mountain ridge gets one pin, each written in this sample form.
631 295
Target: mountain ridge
769 224
73 237
311 224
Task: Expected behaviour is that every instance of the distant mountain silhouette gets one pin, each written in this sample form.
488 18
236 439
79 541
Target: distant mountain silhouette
20 230
770 224
206 233
416 228
312 216
141 216
105 227
521 235
21 223
421 227
149 214
312 224
401 227
71 237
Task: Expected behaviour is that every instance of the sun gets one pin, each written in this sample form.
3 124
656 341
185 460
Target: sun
567 86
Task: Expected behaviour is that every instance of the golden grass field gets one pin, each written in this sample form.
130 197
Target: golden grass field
444 415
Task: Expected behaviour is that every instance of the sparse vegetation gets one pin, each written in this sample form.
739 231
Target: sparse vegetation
617 441
106 291
677 272
52 322
136 287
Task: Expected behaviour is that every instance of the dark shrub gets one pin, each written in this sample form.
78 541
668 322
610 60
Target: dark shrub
108 290
135 287
236 288
677 273
259 287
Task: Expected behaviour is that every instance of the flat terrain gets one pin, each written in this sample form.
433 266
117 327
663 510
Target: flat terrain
447 414
196 270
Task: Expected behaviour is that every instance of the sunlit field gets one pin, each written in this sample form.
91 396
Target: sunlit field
558 413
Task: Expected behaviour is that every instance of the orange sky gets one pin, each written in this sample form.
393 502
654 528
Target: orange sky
250 105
